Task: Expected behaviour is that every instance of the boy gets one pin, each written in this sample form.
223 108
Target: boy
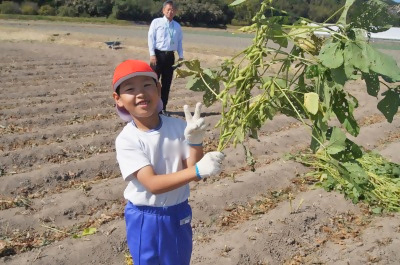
158 157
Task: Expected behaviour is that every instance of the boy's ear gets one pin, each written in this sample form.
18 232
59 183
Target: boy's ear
117 100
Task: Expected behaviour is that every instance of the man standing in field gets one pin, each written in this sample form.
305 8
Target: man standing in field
165 37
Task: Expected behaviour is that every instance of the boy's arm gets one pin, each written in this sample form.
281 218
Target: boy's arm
157 184
196 166
209 165
195 154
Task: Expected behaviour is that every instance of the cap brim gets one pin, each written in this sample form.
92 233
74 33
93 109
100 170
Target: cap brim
126 116
150 74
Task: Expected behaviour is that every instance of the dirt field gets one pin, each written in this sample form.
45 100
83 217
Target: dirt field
58 171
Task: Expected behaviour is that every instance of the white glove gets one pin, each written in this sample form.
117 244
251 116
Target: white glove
209 165
195 128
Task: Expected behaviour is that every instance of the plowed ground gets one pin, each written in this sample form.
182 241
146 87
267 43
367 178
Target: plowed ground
58 171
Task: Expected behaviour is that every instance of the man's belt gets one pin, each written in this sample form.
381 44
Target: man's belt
164 52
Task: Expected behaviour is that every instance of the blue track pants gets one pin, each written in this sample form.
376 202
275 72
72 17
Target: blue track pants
159 235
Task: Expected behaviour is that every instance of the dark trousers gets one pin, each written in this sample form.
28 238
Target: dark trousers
164 70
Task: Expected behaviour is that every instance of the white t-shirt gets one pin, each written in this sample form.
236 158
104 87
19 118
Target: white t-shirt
163 148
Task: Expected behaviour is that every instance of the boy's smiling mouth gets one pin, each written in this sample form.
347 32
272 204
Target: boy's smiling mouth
143 103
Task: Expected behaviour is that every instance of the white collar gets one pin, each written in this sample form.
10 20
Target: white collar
166 19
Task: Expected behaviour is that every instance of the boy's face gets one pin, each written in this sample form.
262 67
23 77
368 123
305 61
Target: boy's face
139 95
169 11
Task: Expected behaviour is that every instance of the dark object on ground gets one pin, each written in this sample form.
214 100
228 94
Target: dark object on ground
113 44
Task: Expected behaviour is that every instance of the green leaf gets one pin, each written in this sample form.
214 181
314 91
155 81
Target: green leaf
357 173
356 195
372 82
345 173
389 105
209 98
348 63
326 96
195 84
371 16
377 210
351 125
331 54
193 65
312 71
209 73
357 34
249 158
383 64
237 2
343 18
396 171
302 37
357 54
353 149
338 75
336 142
182 73
343 106
311 102
279 82
240 135
86 232
89 231
276 33
351 152
315 139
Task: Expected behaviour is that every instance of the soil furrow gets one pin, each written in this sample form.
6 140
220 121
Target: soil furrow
58 125
38 123
279 235
102 105
41 97
65 208
109 242
30 84
46 136
57 153
55 175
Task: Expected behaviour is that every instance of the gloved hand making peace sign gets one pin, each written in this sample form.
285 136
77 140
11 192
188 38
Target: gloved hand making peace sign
195 127
211 163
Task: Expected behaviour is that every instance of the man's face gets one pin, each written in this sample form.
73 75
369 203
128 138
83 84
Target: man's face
169 11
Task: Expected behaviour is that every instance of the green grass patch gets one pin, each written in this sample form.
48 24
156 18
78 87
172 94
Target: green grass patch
387 46
94 20
230 31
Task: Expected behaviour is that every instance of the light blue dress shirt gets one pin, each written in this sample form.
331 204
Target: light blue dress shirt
165 36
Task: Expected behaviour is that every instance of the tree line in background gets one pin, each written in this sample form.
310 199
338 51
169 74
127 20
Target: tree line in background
191 12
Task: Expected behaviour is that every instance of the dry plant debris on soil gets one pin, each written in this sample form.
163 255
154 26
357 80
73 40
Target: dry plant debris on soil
59 177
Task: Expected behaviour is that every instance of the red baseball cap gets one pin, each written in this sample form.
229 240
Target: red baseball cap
128 69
